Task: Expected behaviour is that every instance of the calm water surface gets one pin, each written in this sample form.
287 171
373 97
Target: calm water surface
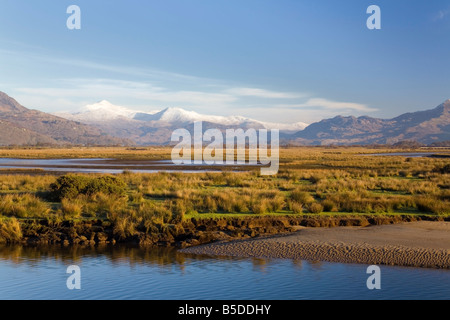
162 274
402 154
109 166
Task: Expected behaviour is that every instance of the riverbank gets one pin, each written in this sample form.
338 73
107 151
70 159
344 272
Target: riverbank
414 244
190 232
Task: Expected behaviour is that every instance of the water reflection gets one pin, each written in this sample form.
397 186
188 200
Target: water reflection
116 255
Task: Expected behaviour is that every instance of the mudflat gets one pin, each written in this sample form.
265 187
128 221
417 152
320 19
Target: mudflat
416 244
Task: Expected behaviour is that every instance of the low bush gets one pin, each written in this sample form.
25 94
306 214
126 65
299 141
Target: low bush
71 186
68 186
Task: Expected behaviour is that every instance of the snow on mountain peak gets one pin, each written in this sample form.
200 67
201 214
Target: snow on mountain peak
178 115
104 110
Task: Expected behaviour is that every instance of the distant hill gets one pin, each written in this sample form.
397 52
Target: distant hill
425 127
22 126
147 128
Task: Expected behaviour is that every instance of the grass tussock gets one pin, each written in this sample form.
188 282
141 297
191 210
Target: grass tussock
23 206
10 230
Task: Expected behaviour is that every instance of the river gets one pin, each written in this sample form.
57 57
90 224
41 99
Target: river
113 166
132 273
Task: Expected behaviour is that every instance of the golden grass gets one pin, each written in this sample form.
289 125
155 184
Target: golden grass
310 181
10 230
144 153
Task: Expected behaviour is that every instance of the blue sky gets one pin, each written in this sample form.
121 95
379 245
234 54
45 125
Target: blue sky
283 61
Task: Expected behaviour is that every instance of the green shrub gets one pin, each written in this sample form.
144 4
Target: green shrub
106 185
68 186
71 186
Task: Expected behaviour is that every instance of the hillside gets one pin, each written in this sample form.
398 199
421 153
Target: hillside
423 126
22 126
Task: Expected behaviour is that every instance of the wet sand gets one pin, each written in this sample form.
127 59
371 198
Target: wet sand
416 244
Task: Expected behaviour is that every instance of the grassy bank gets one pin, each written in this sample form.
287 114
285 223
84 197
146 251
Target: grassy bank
189 232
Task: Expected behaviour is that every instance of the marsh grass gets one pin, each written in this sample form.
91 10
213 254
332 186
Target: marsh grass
71 208
10 230
23 206
310 181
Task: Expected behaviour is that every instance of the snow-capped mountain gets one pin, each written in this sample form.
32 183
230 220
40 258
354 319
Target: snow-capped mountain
106 111
155 127
179 116
101 111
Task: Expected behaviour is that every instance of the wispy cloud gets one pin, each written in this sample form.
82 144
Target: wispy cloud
261 93
99 89
331 105
442 14
132 71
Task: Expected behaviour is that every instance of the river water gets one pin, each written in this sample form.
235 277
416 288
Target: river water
112 166
131 273
405 154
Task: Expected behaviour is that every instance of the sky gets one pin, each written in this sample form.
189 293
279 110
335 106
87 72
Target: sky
271 60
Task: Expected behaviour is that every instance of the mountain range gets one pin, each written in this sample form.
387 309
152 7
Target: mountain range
156 127
104 123
425 127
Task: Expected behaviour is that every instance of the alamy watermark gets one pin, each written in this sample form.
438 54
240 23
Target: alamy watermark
374 21
74 280
238 147
374 281
74 20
